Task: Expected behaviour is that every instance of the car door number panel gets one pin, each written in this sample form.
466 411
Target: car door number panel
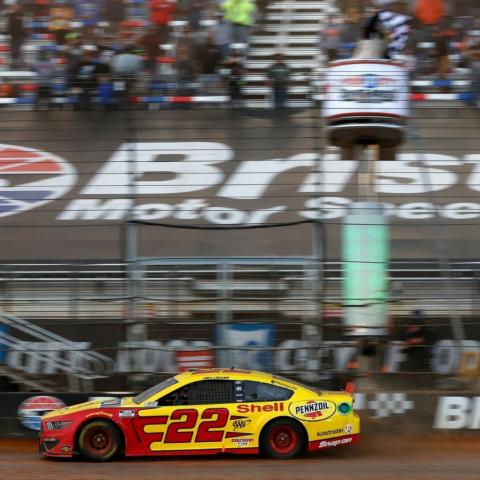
186 425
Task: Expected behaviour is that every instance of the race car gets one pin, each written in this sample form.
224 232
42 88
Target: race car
205 412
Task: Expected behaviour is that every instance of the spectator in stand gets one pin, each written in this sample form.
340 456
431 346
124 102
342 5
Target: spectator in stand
430 12
329 40
209 58
418 341
435 26
471 53
351 31
279 78
189 39
149 42
6 89
85 77
17 32
240 14
194 13
161 12
73 54
221 34
443 35
61 17
126 66
46 70
185 71
114 13
234 78
42 8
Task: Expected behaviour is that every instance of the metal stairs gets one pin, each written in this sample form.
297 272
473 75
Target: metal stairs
291 27
40 360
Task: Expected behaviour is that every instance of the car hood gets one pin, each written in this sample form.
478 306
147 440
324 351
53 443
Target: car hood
106 403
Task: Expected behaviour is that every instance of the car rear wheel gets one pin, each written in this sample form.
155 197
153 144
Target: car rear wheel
99 441
282 439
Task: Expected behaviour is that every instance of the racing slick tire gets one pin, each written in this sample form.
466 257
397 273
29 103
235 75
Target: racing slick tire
99 441
282 439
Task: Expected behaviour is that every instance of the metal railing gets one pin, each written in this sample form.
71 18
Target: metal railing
183 286
187 303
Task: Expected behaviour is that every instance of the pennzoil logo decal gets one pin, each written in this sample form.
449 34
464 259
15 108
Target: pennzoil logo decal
313 411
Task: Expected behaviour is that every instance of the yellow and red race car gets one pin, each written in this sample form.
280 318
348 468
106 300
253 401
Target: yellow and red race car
205 412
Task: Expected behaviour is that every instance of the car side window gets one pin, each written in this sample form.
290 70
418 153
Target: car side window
200 393
264 392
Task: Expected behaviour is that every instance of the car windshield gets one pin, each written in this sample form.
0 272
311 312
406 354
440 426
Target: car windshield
141 397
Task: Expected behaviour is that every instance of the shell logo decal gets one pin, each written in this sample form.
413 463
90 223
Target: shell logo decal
313 411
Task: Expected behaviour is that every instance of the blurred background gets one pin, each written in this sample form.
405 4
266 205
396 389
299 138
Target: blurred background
169 199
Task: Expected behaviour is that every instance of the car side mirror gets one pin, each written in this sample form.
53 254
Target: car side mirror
151 404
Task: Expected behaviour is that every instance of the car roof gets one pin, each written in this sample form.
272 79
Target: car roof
224 374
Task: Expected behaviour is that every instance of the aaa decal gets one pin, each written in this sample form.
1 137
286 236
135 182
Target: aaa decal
239 424
313 411
30 178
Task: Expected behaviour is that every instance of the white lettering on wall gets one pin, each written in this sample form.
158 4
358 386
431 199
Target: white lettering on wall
196 170
452 413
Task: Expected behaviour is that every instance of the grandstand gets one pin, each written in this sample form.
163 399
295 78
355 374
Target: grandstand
291 27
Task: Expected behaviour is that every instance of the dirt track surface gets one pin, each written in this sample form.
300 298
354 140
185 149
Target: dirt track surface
382 460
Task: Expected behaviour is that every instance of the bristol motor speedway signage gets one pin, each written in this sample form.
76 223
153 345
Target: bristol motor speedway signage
67 196
47 177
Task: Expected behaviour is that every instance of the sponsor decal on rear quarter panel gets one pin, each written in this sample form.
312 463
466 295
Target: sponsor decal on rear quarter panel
313 410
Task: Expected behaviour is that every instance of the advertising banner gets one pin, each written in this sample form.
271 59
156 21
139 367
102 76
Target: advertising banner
396 412
66 195
253 337
366 87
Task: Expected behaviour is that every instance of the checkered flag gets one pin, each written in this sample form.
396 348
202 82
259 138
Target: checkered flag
386 404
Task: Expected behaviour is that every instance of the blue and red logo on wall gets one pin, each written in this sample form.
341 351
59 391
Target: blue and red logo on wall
32 409
30 178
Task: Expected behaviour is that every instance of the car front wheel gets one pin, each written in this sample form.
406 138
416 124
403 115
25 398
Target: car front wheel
99 441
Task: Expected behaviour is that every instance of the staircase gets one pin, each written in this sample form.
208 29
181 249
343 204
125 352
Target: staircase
291 27
29 382
40 360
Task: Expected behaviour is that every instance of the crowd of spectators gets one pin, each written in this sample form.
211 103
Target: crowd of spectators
426 34
110 56
96 49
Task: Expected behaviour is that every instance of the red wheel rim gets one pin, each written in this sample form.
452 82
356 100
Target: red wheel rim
283 439
98 441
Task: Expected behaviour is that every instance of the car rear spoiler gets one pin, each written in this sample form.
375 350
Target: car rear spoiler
350 388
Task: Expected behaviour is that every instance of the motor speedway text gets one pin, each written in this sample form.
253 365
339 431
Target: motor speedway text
108 195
